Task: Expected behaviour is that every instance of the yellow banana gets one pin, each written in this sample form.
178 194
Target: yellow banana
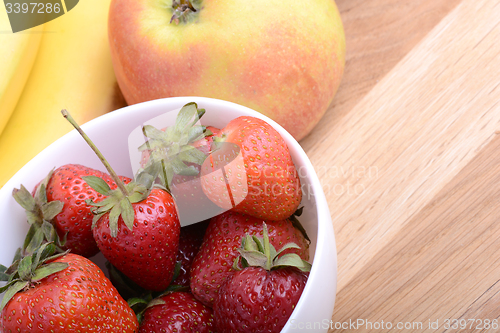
73 71
17 54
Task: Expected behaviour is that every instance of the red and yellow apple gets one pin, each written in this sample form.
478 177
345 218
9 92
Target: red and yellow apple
284 59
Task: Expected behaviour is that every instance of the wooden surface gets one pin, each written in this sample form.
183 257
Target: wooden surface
409 158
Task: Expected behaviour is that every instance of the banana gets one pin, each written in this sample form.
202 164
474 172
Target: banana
17 55
72 71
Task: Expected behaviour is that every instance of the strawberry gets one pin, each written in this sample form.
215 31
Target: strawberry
177 311
145 247
261 295
62 293
187 190
213 263
136 226
57 211
251 170
178 152
190 240
75 220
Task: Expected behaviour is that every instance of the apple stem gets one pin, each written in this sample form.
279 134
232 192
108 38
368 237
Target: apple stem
181 9
112 172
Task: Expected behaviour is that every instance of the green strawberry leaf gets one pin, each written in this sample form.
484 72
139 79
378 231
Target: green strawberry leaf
33 217
154 302
55 256
259 252
197 132
177 270
37 255
192 155
135 301
11 291
182 169
41 194
104 205
259 243
39 214
152 133
254 258
49 269
139 316
173 288
284 248
97 184
45 251
3 276
170 149
185 116
9 284
114 214
29 236
293 260
136 197
24 198
146 179
18 255
49 231
35 242
24 268
62 242
96 218
251 243
168 173
51 209
41 191
127 213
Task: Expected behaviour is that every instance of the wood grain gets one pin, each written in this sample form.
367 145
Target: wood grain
379 33
410 173
442 264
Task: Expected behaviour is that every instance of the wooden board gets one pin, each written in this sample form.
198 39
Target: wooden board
408 156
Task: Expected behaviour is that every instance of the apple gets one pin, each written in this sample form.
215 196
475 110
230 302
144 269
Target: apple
284 59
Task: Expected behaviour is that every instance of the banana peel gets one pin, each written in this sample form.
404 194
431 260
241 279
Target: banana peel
17 55
72 71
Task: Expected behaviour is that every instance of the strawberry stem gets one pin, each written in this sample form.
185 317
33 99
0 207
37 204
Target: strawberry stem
267 248
112 172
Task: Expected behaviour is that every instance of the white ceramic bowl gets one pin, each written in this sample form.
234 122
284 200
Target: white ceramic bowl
110 133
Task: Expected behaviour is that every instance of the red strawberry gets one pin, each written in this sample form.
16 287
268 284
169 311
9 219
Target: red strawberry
75 219
256 300
136 226
213 263
146 252
190 240
187 190
261 296
176 153
66 294
177 312
57 211
258 178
